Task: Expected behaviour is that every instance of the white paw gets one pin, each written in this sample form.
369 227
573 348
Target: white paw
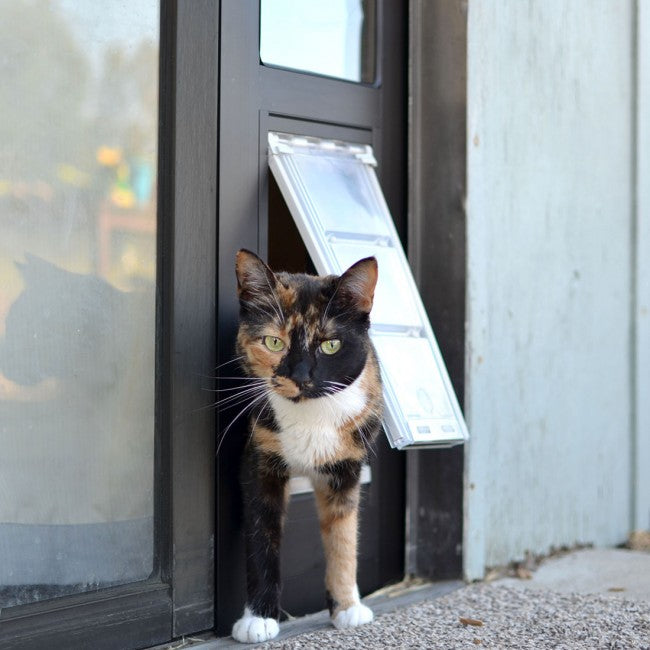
358 614
254 629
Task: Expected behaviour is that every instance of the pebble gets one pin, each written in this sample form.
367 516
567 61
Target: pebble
511 618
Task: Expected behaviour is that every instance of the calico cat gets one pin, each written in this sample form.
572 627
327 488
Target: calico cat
313 371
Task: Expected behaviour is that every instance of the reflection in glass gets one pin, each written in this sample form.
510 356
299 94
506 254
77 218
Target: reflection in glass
78 124
340 194
334 38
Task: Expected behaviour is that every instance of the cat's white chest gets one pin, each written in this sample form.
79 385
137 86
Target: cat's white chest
309 430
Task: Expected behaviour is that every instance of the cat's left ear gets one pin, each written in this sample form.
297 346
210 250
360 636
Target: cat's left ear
254 277
358 283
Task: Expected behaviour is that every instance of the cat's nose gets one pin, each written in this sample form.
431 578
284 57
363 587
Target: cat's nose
300 373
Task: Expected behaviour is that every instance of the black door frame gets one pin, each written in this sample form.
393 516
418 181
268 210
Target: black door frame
254 98
437 254
191 325
179 597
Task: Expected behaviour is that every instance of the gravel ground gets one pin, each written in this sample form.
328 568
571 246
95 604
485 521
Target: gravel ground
503 617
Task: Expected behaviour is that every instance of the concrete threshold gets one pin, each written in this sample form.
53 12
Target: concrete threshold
383 601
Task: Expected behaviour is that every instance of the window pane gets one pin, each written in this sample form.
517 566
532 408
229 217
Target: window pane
78 125
334 38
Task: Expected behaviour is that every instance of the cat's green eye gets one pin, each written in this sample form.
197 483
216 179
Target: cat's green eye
330 347
273 343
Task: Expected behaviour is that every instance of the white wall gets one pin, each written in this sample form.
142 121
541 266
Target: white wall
551 234
642 447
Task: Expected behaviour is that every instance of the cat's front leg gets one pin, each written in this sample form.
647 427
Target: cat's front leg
337 498
264 484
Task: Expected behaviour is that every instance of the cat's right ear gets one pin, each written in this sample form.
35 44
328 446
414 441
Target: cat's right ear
35 268
254 278
358 284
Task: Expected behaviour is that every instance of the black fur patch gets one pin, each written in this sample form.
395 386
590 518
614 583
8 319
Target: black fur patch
367 432
264 483
342 475
330 602
265 417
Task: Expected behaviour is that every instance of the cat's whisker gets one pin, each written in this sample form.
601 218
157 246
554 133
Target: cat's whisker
236 403
329 302
233 388
249 400
331 410
225 363
277 302
362 433
338 383
256 306
205 407
249 405
242 391
271 314
204 376
341 315
366 442
235 399
240 378
243 394
278 314
214 406
264 406
336 386
251 384
259 307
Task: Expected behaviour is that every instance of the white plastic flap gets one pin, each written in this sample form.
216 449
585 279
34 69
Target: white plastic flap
333 194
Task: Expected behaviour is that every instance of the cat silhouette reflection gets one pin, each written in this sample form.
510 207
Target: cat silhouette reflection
77 382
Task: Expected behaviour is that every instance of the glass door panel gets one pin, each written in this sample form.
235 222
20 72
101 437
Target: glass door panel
78 140
334 38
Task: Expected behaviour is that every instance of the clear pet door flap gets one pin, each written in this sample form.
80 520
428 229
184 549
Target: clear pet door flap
335 199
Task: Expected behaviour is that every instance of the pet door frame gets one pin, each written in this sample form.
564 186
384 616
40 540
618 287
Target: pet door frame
422 412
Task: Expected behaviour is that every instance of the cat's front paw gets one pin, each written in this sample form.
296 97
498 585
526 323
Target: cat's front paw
357 614
254 629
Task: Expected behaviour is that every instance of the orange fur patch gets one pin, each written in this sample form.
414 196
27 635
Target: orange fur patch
338 516
352 429
286 295
285 387
267 440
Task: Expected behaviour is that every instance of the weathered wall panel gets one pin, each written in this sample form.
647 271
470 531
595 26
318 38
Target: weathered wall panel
642 446
550 237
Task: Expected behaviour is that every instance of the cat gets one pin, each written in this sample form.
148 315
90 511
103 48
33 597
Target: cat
314 377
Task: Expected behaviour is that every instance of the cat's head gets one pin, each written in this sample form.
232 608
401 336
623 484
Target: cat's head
308 335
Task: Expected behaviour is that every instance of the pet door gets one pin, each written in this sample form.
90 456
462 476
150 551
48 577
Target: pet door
333 194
